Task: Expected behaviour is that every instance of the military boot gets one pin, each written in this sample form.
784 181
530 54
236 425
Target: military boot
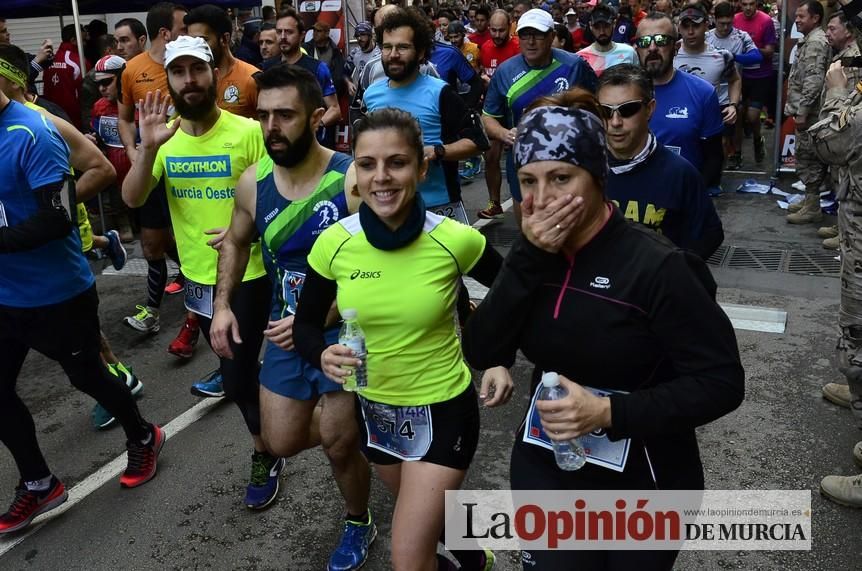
827 231
831 243
844 490
837 393
810 211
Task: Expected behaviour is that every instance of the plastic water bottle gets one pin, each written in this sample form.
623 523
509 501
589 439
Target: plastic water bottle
352 336
569 454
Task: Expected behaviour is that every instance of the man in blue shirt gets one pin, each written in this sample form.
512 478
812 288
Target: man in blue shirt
404 38
687 118
649 183
540 70
48 302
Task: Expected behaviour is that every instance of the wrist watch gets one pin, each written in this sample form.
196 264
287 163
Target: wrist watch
439 152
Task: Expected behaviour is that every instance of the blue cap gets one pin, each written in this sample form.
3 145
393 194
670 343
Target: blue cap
363 28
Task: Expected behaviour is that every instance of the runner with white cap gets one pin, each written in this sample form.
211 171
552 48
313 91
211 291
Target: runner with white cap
200 157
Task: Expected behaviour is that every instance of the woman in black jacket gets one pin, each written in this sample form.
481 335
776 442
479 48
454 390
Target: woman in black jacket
628 321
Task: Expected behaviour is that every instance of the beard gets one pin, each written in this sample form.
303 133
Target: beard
408 67
656 66
293 153
197 111
603 40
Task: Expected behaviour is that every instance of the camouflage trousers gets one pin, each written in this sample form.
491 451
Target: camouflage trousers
810 170
849 348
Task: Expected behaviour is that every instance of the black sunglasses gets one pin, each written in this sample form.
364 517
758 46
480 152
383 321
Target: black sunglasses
105 82
661 40
626 110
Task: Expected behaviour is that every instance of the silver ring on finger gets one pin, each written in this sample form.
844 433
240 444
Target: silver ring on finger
559 227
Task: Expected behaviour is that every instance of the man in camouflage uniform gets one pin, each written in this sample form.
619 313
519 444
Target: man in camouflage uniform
803 104
843 43
835 139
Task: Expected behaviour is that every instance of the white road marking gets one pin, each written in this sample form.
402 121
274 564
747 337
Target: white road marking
107 473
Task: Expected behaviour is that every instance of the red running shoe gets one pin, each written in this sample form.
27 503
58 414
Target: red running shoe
142 459
183 346
28 504
175 287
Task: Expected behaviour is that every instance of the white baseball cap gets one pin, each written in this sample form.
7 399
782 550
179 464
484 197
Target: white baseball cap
571 12
188 46
537 19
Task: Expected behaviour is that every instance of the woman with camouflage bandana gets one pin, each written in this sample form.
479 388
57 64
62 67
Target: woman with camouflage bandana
629 321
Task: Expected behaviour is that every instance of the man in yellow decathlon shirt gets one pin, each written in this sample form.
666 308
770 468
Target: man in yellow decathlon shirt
200 157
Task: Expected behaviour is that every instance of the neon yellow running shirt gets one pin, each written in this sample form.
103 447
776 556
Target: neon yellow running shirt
405 302
200 181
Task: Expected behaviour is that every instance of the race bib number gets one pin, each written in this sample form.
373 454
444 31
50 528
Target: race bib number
453 210
600 451
109 131
401 431
3 221
199 298
291 287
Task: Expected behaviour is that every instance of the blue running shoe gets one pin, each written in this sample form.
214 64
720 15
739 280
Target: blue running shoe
263 486
116 251
101 418
209 386
353 549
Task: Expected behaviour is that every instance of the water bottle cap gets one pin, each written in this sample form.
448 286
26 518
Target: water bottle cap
348 314
550 379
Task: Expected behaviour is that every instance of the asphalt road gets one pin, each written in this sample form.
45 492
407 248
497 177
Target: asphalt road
784 436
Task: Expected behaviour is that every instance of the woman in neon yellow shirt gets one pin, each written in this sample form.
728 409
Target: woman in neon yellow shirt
399 267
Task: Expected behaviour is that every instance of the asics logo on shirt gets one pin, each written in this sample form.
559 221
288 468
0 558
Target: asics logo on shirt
677 113
365 275
601 282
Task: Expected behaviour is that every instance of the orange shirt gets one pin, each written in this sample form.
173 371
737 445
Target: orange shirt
142 74
237 91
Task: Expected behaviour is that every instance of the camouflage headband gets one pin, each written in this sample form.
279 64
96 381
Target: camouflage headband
564 134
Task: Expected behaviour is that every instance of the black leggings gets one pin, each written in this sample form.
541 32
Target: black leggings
251 305
68 333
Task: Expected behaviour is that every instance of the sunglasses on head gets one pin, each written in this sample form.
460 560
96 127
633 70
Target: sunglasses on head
626 110
661 40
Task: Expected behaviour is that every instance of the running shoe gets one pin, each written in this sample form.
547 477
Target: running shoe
263 485
470 169
125 373
352 552
209 386
734 162
100 417
115 250
29 504
492 211
183 346
759 150
143 459
146 320
176 286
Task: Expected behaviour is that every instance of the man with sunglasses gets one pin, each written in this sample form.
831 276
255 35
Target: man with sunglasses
687 118
649 183
540 70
